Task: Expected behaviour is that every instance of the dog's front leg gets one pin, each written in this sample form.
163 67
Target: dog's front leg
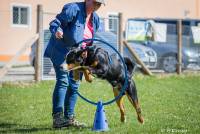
87 74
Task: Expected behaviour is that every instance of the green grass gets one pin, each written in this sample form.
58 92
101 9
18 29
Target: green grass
170 105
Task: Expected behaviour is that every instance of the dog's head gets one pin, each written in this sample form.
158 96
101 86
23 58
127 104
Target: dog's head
76 55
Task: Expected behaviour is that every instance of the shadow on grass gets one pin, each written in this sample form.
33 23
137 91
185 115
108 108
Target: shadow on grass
18 128
7 125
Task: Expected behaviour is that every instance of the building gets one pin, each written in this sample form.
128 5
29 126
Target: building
18 17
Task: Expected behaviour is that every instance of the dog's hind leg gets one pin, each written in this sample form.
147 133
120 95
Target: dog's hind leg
120 104
131 93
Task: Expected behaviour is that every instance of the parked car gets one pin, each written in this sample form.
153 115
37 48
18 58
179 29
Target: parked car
167 51
167 55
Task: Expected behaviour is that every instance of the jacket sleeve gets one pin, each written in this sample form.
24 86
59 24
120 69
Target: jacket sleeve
97 22
67 15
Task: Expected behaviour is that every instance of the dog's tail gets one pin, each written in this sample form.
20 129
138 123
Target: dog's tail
131 66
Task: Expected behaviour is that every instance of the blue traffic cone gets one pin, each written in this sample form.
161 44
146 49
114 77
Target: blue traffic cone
100 121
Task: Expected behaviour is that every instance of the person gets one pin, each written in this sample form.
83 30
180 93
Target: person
77 21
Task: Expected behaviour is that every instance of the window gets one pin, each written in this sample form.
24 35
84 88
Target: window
171 29
113 23
20 15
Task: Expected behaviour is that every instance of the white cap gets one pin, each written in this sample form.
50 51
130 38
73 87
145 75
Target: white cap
101 1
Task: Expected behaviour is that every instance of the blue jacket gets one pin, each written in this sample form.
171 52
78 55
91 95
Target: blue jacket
72 22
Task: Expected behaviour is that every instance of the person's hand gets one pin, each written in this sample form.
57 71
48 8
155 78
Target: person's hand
59 35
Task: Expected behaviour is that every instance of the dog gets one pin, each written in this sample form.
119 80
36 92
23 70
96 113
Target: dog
110 68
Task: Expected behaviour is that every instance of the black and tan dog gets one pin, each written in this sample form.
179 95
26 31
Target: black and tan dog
111 69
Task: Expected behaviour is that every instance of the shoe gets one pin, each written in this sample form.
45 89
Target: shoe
71 121
59 121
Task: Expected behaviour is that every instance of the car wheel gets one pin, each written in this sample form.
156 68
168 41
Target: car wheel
169 63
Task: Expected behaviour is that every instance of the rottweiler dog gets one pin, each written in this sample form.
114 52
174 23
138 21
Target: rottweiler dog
110 68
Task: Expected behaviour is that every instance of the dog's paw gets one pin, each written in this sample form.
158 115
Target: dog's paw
123 119
88 76
141 119
88 80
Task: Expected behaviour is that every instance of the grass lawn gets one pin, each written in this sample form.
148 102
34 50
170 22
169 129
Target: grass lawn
170 105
